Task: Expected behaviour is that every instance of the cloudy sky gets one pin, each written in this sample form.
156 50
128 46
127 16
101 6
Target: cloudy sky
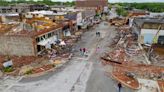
123 0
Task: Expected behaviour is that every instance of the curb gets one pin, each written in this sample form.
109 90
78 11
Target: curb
39 74
48 71
113 77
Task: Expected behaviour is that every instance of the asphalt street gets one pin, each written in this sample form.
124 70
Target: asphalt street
98 81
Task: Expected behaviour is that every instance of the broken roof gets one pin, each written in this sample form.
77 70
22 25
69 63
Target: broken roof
4 28
152 25
33 33
139 21
20 30
32 27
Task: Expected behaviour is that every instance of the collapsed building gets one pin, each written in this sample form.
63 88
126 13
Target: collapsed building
125 65
149 31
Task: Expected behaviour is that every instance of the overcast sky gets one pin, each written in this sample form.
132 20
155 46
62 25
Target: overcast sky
123 0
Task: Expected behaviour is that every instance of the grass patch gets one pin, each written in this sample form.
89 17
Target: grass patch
28 72
8 69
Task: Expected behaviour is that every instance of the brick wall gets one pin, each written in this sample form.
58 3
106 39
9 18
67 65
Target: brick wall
16 45
91 3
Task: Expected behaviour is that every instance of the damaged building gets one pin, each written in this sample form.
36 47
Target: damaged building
152 33
148 30
23 39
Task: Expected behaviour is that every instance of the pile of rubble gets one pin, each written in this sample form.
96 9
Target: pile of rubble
127 69
157 55
119 21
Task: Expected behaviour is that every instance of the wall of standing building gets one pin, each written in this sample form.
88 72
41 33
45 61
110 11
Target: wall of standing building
91 4
16 45
150 31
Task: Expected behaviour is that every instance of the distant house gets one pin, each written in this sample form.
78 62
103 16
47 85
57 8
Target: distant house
151 32
152 14
38 7
137 12
15 8
5 9
85 18
22 8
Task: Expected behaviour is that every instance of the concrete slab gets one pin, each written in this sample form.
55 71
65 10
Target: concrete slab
148 85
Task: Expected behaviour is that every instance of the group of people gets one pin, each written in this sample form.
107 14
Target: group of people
98 34
83 51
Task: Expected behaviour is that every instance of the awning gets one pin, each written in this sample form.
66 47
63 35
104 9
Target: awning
51 40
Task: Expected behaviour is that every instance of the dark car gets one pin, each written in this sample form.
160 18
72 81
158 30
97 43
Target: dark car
161 40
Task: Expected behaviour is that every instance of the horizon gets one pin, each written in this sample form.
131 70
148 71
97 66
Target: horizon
123 1
110 1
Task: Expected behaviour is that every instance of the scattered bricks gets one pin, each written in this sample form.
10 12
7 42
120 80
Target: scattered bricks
127 81
118 21
161 85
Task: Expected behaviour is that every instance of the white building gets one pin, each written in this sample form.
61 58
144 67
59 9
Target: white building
152 33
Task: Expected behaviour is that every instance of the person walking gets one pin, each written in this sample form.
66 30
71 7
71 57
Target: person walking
84 50
96 34
81 51
119 87
97 49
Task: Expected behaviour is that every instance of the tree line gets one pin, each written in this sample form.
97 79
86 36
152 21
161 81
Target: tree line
47 2
152 7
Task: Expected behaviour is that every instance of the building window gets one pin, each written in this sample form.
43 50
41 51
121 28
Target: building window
16 10
41 38
49 35
44 37
37 39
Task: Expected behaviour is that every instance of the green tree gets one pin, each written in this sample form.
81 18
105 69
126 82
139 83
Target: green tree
121 12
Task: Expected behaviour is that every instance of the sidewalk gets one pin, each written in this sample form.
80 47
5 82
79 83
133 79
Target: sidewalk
60 82
148 86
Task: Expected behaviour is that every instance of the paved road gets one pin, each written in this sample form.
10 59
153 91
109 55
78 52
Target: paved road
73 76
98 81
